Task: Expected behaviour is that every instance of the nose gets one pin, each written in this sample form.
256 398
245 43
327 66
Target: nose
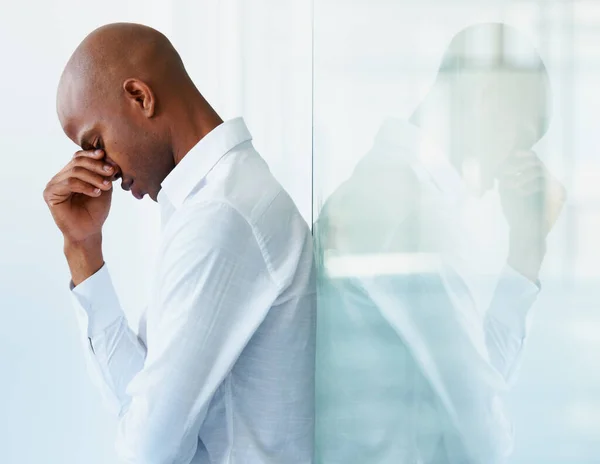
126 184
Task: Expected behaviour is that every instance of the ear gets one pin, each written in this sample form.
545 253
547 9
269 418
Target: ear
140 95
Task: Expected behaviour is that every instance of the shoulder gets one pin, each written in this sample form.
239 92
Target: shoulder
375 189
210 224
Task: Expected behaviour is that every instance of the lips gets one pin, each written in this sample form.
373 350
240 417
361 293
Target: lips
128 186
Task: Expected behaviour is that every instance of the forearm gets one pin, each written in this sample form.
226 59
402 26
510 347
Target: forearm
113 350
116 356
84 258
506 320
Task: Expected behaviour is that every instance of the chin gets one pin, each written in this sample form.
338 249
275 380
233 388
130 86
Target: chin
153 196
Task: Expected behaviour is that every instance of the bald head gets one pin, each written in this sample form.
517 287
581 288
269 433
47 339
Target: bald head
115 52
125 90
489 47
492 95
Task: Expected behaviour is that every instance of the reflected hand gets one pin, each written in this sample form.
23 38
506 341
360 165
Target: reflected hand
532 200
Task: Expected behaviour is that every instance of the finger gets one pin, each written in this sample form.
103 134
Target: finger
552 190
58 191
519 160
109 168
519 179
515 166
95 154
531 186
95 165
534 186
86 175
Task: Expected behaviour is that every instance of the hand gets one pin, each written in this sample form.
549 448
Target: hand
532 200
79 196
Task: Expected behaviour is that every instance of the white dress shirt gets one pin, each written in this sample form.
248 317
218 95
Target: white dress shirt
222 369
409 369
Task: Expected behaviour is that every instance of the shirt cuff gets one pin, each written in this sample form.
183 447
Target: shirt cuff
513 298
97 299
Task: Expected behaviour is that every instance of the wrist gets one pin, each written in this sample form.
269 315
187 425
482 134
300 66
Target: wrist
89 243
84 257
526 256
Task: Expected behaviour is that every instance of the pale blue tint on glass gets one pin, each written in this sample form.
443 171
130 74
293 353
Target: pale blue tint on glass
456 215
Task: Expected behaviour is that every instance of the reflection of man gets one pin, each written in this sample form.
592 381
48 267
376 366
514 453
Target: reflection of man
410 367
223 368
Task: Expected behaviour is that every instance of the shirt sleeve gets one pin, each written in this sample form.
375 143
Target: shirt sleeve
215 290
507 320
114 354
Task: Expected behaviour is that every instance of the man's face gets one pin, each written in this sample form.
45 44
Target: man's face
131 142
507 119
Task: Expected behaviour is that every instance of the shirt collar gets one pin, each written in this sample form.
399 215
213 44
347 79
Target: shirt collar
201 159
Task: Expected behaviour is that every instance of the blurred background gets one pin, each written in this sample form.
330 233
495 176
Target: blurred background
314 80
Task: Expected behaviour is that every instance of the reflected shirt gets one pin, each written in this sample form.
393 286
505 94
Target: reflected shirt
222 368
409 368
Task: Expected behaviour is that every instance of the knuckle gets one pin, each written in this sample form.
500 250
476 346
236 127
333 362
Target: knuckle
78 170
89 163
96 164
46 191
67 168
72 182
78 161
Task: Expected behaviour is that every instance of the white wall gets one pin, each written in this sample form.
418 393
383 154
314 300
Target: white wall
253 62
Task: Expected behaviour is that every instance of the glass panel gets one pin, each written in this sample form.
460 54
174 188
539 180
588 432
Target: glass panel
456 205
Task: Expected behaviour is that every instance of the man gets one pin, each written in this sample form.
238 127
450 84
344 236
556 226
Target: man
222 370
413 358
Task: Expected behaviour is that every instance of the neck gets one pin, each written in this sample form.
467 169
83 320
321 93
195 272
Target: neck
195 120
